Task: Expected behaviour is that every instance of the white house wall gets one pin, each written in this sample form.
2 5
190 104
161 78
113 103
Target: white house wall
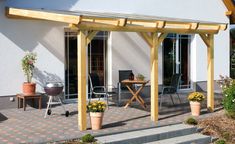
131 52
221 57
18 36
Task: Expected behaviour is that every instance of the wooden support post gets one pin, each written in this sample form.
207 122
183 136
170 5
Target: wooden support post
81 52
156 41
154 78
210 73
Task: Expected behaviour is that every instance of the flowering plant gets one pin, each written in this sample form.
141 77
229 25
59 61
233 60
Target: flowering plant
27 64
96 106
196 96
228 88
225 82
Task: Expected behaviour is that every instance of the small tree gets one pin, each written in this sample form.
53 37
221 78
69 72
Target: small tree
27 64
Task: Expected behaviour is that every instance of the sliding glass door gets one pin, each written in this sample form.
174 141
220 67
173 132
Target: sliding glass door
176 59
96 60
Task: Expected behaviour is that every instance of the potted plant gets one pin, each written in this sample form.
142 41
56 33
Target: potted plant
96 109
140 77
27 64
195 99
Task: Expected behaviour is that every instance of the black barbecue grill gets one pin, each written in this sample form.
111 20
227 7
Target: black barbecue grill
53 90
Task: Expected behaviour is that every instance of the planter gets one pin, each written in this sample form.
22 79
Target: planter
195 108
96 120
29 88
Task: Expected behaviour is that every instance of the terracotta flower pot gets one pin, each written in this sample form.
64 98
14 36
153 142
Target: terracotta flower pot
96 120
195 108
29 88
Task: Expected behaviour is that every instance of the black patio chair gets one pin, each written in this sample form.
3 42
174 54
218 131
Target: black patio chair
123 74
171 89
97 89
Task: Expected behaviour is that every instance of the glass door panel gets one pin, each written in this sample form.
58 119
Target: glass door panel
176 59
97 56
96 60
71 86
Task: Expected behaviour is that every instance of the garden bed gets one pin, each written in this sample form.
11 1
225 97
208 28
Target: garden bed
220 126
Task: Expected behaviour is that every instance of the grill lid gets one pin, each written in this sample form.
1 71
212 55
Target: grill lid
53 84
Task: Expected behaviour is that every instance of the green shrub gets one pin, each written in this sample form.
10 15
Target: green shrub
220 141
228 87
88 138
191 121
229 100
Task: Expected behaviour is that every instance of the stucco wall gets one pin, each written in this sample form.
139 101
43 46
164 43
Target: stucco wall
17 36
131 52
221 57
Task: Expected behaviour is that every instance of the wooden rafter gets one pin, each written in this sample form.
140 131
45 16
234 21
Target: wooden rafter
85 22
228 13
231 10
122 22
24 13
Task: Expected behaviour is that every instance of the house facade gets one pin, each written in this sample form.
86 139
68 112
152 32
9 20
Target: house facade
56 44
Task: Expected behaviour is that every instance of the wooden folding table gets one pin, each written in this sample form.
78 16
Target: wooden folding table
134 92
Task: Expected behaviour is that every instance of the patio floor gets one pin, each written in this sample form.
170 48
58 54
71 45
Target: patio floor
30 126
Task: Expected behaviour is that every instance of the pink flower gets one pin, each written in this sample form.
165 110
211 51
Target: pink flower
30 62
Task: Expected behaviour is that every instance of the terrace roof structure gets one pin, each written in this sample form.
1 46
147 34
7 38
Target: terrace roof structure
152 29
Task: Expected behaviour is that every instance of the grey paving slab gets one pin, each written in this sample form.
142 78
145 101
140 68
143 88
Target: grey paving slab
187 139
30 126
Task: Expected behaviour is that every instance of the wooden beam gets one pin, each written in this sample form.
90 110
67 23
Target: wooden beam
128 28
148 39
194 26
90 36
205 39
73 27
42 15
228 13
81 52
161 24
210 73
122 22
230 6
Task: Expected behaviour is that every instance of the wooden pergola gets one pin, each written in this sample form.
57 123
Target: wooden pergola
152 29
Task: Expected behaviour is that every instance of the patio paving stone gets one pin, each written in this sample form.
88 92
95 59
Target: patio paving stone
30 126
